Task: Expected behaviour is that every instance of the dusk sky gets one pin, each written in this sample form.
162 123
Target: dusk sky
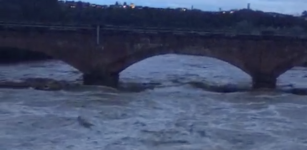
283 6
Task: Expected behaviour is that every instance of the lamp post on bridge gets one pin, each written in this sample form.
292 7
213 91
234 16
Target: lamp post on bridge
98 34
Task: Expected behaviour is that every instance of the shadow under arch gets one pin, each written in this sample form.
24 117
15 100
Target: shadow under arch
20 54
35 69
9 55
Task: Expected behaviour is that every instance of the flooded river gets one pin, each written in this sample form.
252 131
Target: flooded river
174 115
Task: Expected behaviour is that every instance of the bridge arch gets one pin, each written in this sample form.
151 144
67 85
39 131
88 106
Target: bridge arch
290 73
297 61
263 70
121 64
111 77
67 47
38 54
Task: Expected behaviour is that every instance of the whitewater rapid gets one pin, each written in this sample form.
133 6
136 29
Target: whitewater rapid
172 116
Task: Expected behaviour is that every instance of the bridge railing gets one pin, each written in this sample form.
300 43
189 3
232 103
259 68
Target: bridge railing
45 25
77 26
90 27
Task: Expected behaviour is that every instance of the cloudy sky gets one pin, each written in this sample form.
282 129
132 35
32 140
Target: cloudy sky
284 6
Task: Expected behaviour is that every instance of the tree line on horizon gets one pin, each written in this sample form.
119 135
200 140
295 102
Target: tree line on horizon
50 11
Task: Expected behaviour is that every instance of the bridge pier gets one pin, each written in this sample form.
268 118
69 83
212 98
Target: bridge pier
261 81
110 79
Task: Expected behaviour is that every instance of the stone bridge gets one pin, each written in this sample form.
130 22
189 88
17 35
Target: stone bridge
101 54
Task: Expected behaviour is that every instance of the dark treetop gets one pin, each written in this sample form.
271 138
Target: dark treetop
51 11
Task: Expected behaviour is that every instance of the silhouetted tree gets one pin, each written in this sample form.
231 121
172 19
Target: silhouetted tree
81 12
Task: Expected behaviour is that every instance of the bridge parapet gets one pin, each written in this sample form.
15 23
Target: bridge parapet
142 30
